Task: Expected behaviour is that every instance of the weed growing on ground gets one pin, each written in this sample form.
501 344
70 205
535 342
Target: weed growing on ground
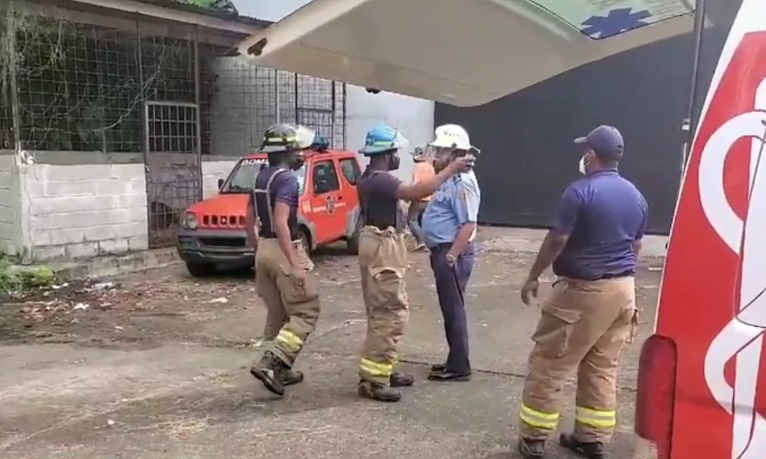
18 278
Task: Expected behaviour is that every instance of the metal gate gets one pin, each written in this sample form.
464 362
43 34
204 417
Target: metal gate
173 166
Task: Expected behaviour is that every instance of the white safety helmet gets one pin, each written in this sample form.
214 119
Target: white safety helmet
452 137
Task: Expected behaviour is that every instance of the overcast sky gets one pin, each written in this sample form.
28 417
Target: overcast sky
271 10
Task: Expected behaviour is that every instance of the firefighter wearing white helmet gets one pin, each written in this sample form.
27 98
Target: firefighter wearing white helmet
449 227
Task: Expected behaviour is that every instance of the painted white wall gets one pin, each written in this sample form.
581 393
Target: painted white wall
414 117
9 205
80 211
212 171
83 211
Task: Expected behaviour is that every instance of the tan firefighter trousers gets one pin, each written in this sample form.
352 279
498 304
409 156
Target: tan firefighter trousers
382 263
584 325
292 304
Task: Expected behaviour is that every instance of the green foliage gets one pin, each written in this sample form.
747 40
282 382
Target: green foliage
82 87
214 5
20 278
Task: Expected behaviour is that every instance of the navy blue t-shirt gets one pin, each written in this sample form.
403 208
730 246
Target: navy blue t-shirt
377 192
284 188
603 214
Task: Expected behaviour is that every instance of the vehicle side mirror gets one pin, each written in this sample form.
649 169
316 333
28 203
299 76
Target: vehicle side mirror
220 183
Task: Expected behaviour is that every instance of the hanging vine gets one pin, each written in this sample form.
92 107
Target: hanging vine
73 86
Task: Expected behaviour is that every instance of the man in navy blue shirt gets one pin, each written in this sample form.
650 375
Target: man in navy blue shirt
281 279
591 314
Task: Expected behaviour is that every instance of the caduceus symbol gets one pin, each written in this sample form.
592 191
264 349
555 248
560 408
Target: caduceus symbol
742 337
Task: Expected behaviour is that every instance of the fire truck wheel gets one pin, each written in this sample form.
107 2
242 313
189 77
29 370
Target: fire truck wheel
352 242
200 269
305 241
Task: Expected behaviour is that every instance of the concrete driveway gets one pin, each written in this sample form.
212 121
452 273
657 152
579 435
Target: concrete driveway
154 365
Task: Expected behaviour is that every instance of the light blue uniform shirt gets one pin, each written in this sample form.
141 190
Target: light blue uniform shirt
455 203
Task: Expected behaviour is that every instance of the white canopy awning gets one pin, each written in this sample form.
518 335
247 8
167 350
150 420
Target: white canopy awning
460 52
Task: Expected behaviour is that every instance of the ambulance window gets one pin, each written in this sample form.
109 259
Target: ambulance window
325 177
350 169
599 19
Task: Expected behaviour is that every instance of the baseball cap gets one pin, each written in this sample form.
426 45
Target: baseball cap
604 140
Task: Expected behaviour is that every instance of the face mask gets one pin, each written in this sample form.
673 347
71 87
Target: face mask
394 163
582 166
297 162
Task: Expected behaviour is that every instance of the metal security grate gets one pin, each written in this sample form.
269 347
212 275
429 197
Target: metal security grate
171 127
90 81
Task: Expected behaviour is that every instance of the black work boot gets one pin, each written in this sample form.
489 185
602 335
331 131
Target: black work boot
271 371
531 448
402 380
438 367
378 392
591 450
292 377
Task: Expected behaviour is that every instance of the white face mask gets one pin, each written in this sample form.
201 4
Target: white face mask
582 166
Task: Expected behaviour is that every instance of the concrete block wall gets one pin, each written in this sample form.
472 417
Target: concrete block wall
69 205
9 204
83 210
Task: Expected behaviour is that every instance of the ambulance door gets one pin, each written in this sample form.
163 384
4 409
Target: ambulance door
459 52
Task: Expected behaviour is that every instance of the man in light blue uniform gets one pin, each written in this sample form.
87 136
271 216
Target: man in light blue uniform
449 227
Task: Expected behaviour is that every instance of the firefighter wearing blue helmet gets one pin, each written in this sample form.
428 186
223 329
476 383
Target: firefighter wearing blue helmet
383 258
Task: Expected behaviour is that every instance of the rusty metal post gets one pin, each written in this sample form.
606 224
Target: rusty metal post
198 139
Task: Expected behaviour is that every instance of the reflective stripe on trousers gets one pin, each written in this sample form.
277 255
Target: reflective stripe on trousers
382 265
376 369
539 419
600 419
290 340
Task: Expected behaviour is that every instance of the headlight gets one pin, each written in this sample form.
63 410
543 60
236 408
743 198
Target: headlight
189 221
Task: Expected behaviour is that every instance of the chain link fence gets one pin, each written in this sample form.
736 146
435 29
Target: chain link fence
167 91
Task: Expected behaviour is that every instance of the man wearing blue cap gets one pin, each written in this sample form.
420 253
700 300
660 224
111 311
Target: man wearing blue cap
591 314
383 259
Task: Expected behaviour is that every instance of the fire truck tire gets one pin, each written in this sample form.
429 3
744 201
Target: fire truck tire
352 242
305 239
200 269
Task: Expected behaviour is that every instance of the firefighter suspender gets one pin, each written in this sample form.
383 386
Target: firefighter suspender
267 192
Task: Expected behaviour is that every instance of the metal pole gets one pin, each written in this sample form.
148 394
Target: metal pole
689 123
343 116
198 137
276 96
12 74
332 116
295 90
142 95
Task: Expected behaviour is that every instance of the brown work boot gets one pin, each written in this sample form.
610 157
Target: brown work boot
292 377
378 392
591 450
271 371
531 448
402 380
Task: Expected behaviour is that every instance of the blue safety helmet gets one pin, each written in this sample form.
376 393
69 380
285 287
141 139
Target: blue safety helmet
382 139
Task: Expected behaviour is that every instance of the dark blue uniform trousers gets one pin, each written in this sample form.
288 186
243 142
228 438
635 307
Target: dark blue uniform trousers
451 282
